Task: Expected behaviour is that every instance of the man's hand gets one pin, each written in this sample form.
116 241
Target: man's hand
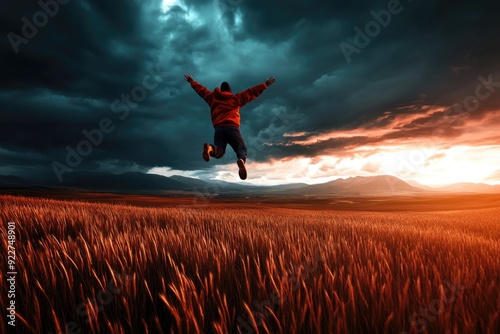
270 81
188 78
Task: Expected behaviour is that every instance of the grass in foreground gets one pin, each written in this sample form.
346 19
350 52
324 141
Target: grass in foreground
104 268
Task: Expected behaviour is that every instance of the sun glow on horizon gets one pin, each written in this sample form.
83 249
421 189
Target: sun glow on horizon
456 150
430 166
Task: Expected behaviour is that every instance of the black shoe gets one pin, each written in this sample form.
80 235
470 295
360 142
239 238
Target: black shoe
243 171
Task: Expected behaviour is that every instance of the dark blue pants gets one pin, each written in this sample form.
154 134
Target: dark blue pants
229 135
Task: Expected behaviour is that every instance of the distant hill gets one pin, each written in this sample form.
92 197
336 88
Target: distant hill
127 182
361 186
140 183
418 185
466 187
11 181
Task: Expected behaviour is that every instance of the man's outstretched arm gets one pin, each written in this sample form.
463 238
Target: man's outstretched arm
252 93
199 89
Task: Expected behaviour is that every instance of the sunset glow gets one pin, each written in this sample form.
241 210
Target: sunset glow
463 148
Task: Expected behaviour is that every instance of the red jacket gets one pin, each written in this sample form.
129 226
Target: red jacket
224 106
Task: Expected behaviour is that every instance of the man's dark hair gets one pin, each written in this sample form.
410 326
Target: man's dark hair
225 87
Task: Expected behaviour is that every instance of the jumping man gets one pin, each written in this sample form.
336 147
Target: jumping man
225 111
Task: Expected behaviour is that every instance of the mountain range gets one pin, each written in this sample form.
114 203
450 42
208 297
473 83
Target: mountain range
140 183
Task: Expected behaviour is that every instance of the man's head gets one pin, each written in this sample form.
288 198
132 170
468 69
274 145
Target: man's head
225 87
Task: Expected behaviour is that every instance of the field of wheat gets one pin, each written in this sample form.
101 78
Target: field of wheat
108 268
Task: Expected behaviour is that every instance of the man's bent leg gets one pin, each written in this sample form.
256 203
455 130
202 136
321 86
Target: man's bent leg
237 143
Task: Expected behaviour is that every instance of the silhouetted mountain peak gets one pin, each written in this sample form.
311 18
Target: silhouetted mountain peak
363 185
141 183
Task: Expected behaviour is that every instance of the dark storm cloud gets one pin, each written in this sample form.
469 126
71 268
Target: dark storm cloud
67 78
77 48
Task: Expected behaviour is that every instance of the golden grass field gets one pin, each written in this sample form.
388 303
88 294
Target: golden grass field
258 266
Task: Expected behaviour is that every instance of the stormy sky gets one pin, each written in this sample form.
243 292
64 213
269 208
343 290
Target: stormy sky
407 88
